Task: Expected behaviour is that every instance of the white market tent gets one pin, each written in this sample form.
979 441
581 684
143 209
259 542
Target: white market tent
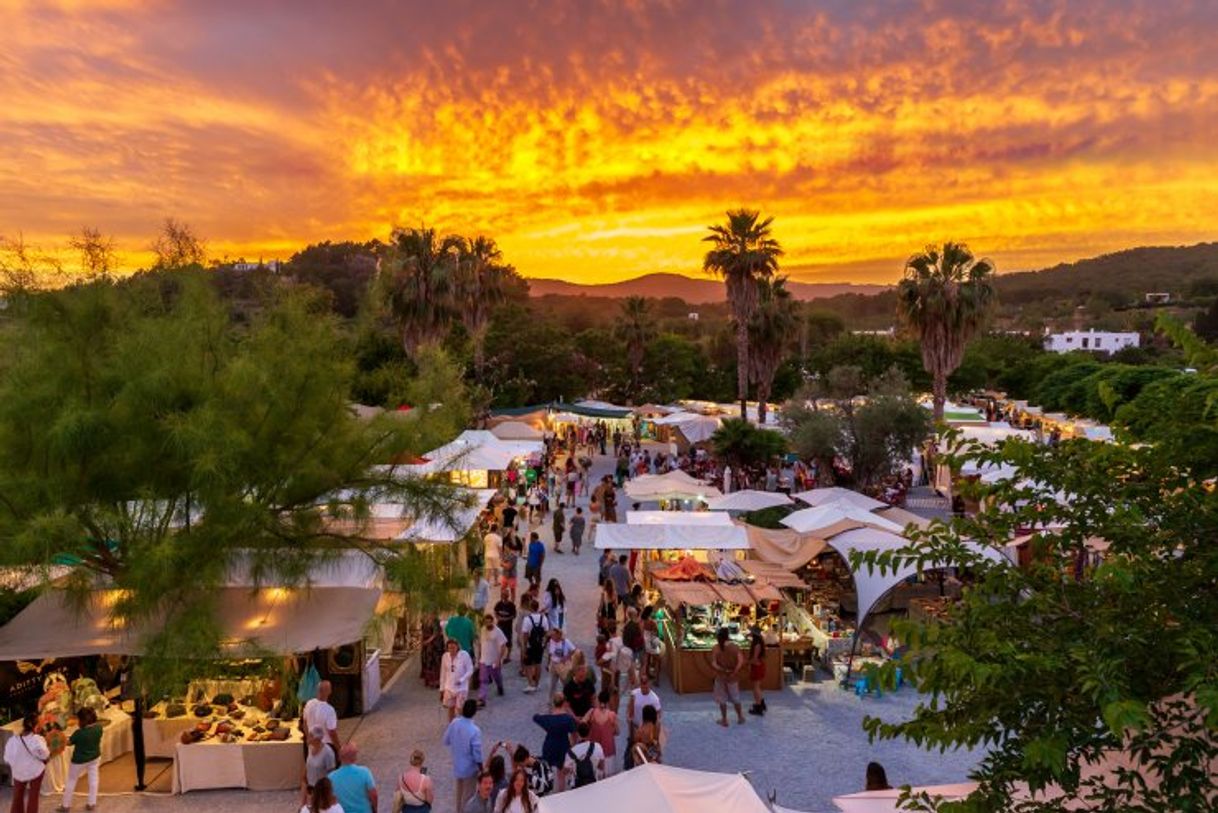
661 789
810 520
674 485
748 500
836 494
671 536
885 801
475 450
702 519
516 430
870 583
995 433
696 428
278 620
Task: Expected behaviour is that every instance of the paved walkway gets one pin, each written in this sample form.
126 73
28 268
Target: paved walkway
809 748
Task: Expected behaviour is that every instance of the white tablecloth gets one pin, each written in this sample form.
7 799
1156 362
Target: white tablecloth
254 765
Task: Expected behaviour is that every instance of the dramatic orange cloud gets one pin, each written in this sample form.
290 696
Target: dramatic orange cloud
596 140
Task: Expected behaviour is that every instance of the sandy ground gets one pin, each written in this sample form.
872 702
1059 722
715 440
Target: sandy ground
809 748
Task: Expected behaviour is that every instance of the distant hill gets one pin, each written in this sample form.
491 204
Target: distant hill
692 290
1124 275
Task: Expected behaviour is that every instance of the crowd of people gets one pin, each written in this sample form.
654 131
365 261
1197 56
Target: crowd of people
602 711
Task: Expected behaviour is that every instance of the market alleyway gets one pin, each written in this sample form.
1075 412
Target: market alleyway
809 748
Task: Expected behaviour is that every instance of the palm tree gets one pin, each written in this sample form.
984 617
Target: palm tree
770 332
635 327
945 297
743 252
415 279
479 285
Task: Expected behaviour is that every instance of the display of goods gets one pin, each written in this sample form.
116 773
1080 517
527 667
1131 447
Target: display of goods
280 734
175 710
53 712
203 726
224 727
272 724
231 707
86 695
202 710
192 736
236 713
222 699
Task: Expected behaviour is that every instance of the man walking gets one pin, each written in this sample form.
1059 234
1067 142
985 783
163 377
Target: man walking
353 784
578 523
463 739
493 646
505 619
318 713
536 558
483 800
726 660
456 668
585 761
534 630
619 574
460 629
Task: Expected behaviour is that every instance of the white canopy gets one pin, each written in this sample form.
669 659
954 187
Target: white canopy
825 516
675 485
748 500
516 430
655 788
279 620
475 450
696 428
623 536
700 518
885 801
870 583
994 433
820 496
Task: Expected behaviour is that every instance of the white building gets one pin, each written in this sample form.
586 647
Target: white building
1096 341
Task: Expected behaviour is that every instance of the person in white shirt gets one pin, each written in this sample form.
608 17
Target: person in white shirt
318 713
560 651
578 753
618 662
644 695
26 755
456 668
492 544
492 648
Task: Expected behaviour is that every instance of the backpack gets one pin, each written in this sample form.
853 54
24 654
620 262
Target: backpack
541 777
537 637
585 771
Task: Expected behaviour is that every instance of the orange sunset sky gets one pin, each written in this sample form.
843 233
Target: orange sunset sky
596 140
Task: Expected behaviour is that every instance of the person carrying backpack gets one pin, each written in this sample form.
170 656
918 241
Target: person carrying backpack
535 628
585 761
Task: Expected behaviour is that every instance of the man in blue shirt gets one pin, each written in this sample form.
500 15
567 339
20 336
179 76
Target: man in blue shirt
353 784
537 557
560 727
464 742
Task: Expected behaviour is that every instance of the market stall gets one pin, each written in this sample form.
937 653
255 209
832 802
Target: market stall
476 458
232 738
748 500
670 487
654 787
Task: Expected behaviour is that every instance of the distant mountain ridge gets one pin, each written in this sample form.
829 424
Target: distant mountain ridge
692 290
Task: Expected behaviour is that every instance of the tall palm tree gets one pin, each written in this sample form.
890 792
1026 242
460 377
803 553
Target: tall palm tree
415 279
635 327
479 284
743 251
945 297
771 329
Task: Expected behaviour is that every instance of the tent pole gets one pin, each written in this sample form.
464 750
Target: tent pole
850 661
137 736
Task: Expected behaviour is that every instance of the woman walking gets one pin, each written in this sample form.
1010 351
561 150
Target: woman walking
27 755
554 604
603 729
415 786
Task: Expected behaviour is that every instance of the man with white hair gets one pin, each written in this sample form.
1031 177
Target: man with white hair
318 713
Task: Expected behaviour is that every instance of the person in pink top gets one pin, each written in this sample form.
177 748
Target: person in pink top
603 729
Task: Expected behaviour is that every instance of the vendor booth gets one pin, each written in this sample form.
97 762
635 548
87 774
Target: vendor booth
690 560
476 458
673 486
239 732
748 500
685 429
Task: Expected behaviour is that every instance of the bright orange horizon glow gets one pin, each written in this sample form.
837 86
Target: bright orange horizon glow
596 141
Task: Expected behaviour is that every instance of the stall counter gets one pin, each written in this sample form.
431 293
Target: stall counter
213 764
689 669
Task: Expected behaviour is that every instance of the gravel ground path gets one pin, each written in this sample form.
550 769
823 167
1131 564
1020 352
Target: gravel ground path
809 748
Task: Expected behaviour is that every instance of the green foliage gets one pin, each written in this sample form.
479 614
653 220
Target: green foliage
151 441
742 444
673 367
944 298
873 426
343 270
1048 667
